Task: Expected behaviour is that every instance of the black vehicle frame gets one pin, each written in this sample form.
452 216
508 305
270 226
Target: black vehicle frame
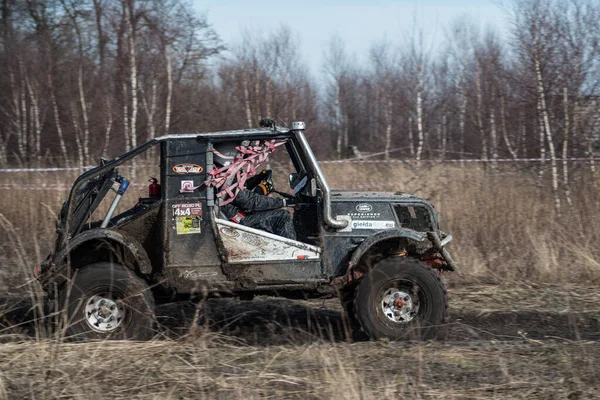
178 245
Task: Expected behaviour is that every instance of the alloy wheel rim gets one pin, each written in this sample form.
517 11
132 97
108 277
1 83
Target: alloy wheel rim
399 306
103 315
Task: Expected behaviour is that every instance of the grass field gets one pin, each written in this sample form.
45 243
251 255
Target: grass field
542 345
524 308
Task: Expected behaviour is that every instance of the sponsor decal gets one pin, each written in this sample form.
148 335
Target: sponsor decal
364 215
253 240
184 169
187 209
193 274
364 208
187 187
227 231
188 218
372 224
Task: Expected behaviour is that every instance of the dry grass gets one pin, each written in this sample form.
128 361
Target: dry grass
505 227
529 332
210 366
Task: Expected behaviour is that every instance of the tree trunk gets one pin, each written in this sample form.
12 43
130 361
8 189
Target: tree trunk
338 121
463 112
257 97
86 127
565 147
150 109
268 95
507 142
169 88
589 136
542 143
35 116
59 131
374 130
77 129
420 133
546 119
247 99
126 114
411 139
23 146
493 135
484 149
108 129
388 127
133 74
346 144
16 104
444 136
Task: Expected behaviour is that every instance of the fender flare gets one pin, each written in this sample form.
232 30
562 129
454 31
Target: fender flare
128 242
352 275
381 236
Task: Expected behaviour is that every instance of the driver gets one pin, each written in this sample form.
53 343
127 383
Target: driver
254 208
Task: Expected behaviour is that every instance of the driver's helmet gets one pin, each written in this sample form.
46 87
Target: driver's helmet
261 183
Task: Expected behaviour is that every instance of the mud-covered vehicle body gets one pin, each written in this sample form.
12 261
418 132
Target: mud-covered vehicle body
381 253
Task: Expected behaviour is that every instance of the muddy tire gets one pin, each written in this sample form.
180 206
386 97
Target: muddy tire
347 301
355 331
401 298
107 301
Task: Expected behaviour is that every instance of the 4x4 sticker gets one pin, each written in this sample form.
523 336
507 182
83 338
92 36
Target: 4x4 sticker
364 208
188 218
187 169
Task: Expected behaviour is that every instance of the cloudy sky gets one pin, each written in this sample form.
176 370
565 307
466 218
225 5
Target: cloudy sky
359 23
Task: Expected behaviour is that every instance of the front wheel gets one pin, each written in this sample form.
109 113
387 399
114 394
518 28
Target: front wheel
401 298
107 301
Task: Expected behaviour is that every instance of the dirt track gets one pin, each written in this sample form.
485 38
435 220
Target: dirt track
526 343
274 321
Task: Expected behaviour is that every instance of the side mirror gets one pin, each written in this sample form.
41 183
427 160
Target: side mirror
293 180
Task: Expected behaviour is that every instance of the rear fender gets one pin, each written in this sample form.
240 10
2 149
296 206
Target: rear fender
98 245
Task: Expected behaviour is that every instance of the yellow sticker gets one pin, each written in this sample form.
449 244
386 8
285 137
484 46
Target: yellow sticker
186 225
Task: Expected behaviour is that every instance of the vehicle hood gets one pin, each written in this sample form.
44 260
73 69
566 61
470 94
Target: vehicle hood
349 195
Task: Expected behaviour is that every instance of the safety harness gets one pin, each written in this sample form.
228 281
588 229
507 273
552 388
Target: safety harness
242 167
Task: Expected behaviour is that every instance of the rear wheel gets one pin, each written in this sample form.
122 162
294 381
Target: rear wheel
401 298
107 301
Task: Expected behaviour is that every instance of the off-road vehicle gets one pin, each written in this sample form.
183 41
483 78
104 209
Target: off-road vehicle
381 253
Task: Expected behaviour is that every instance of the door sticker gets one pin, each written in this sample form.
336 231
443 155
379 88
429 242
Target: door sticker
372 224
188 218
364 208
187 187
185 169
364 223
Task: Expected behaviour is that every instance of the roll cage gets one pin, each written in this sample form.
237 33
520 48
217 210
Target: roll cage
300 152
